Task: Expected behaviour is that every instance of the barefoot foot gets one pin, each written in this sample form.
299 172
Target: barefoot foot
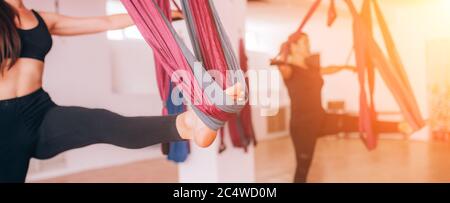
405 128
191 127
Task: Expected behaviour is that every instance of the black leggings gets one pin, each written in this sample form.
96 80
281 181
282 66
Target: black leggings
306 129
35 127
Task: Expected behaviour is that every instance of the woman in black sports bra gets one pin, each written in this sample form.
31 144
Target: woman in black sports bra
33 126
36 42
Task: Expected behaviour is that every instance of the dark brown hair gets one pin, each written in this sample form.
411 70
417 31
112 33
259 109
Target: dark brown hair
10 44
285 49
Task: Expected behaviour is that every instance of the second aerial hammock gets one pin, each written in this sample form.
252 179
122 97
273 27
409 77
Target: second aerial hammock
390 67
206 96
241 125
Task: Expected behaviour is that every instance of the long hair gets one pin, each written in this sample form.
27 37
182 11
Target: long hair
10 44
285 49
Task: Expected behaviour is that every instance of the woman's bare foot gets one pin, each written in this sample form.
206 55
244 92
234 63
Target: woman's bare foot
190 127
405 128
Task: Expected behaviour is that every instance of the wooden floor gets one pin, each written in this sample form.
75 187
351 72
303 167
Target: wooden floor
344 160
153 171
336 160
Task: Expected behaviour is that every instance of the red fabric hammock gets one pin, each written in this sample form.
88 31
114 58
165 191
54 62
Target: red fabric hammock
370 56
162 77
241 126
177 151
212 52
174 55
210 47
246 113
391 69
367 113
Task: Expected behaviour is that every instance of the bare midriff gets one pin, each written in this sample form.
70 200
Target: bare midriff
24 78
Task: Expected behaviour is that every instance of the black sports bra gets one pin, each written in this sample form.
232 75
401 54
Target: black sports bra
36 42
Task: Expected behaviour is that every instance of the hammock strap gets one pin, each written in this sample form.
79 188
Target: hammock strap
166 44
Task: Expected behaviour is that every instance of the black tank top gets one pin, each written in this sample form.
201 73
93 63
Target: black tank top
305 88
36 42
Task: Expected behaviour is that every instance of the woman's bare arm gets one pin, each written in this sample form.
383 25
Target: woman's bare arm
335 69
69 26
284 68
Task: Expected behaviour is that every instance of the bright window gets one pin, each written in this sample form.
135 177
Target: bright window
115 7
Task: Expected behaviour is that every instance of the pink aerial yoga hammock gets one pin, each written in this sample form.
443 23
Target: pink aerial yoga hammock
215 58
365 69
209 49
174 56
390 69
175 151
241 126
162 77
368 57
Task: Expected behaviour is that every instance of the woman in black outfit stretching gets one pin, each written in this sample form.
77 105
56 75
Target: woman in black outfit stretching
33 126
302 76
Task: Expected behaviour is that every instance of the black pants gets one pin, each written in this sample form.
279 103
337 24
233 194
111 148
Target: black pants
307 128
34 127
